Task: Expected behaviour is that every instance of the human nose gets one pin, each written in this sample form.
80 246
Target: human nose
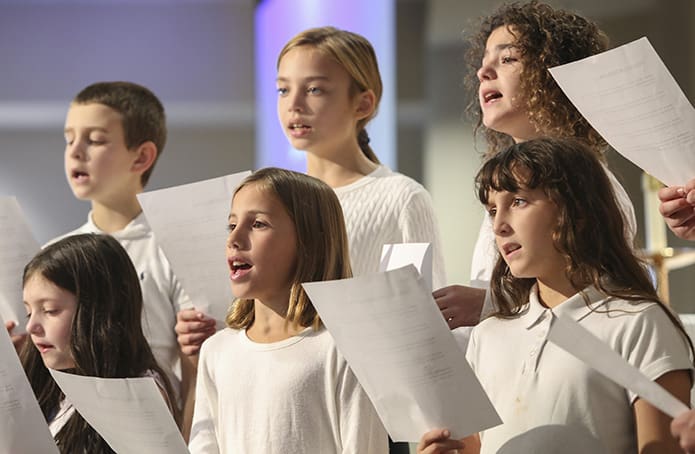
33 326
237 239
486 72
75 149
500 224
296 102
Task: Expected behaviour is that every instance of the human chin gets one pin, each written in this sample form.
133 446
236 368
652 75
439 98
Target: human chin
58 360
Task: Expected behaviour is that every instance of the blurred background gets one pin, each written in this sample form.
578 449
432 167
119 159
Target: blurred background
204 59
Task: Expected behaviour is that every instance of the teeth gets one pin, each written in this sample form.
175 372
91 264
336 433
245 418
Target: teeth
235 263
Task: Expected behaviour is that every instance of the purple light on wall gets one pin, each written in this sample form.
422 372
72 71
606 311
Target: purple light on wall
279 20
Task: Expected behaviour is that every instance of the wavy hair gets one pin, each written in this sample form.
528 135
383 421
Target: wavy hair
545 37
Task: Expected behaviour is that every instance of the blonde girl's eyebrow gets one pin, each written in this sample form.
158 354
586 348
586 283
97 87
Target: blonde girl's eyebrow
305 79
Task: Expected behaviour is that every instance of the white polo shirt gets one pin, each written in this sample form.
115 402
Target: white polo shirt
552 402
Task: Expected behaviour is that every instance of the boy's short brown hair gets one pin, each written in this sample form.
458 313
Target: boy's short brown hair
142 113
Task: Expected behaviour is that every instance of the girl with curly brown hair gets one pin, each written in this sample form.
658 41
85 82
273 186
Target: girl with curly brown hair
514 99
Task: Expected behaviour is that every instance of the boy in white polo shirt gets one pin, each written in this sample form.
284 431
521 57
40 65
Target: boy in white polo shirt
114 133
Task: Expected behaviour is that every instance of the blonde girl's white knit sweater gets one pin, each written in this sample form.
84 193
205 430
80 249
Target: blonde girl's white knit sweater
388 207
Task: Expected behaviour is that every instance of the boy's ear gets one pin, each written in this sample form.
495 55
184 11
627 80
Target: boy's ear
146 154
366 103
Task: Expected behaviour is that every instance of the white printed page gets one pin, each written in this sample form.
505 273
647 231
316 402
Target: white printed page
189 222
395 340
129 413
399 255
578 341
17 247
628 95
23 429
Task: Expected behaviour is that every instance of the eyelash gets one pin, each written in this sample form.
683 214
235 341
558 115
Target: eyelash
311 90
89 142
255 224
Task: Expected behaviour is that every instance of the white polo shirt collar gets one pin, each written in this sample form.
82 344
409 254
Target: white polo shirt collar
574 307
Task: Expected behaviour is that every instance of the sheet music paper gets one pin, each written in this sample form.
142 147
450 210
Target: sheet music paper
628 95
17 248
129 413
578 341
401 254
189 222
23 429
395 340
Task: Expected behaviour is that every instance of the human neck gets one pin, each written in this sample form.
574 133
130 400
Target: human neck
113 216
270 323
553 292
339 168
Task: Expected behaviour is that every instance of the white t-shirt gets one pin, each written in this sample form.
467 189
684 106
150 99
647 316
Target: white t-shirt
387 207
162 293
552 402
293 396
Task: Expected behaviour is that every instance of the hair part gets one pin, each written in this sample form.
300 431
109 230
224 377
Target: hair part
545 37
357 57
322 243
142 114
106 338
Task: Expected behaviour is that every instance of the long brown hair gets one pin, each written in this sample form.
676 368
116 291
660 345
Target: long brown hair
545 37
590 226
356 55
106 338
322 245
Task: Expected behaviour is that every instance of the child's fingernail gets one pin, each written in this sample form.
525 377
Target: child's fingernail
680 191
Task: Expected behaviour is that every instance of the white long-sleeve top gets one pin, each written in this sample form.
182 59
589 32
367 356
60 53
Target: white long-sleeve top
292 396
387 207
